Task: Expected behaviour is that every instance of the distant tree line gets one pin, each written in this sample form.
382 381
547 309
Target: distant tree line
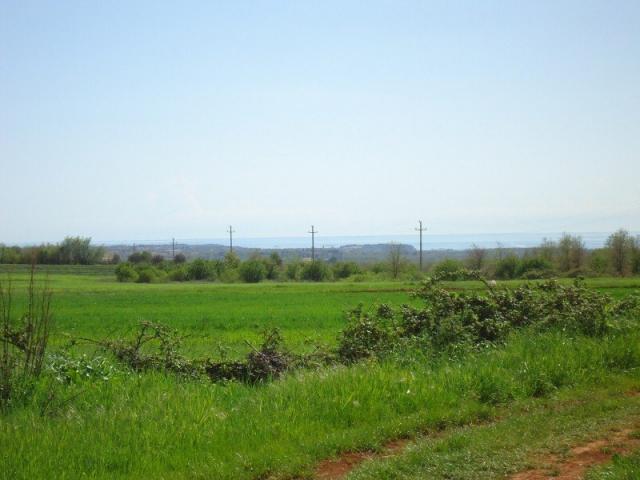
71 251
567 257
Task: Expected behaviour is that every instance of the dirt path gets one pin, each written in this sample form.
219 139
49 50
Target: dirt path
574 465
338 468
571 466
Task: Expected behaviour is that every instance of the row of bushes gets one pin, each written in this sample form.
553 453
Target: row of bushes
231 269
448 321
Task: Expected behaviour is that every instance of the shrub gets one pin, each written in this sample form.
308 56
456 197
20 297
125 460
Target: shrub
447 268
149 274
273 265
179 274
198 270
179 258
506 267
540 267
345 269
157 260
364 335
126 273
231 261
24 339
315 271
452 321
140 257
253 271
294 270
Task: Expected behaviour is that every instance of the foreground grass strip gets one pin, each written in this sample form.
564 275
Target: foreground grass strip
157 426
529 442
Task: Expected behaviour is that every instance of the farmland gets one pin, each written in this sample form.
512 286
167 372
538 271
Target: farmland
124 424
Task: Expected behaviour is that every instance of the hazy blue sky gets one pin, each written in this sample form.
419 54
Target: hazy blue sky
146 120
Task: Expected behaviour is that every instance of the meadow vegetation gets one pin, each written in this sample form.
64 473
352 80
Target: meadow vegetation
149 403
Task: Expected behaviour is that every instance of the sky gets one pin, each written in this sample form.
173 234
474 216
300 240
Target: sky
151 119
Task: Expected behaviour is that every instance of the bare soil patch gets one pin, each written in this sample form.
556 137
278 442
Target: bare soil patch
574 465
335 469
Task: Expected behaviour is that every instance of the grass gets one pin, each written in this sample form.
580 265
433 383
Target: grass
88 302
154 425
157 426
514 444
95 305
621 468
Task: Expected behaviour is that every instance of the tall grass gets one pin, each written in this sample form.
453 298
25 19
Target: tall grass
157 426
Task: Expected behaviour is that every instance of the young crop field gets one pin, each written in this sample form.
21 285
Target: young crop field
450 413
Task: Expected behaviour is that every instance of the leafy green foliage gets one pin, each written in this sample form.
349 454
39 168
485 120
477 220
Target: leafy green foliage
253 270
451 319
126 273
316 271
199 270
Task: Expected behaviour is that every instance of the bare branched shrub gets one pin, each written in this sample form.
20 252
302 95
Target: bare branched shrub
24 340
154 347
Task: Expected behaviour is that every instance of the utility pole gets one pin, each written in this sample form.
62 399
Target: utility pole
231 232
313 243
420 229
173 248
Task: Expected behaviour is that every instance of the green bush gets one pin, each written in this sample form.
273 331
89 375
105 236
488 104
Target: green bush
447 268
199 269
273 266
126 273
179 274
140 257
316 271
533 267
252 271
507 267
149 274
345 270
294 270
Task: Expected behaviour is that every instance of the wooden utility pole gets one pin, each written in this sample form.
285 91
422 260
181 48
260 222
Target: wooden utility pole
420 229
313 243
231 232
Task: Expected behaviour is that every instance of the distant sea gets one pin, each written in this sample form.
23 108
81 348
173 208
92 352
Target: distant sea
430 241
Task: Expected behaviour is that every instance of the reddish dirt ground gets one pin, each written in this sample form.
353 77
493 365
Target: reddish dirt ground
574 465
338 468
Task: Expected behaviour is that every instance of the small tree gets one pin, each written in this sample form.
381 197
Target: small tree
621 245
476 257
571 253
395 259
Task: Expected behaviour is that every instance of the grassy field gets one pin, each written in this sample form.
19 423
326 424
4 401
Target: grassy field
88 302
156 425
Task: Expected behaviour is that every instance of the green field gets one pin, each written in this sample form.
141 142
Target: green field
88 302
549 385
